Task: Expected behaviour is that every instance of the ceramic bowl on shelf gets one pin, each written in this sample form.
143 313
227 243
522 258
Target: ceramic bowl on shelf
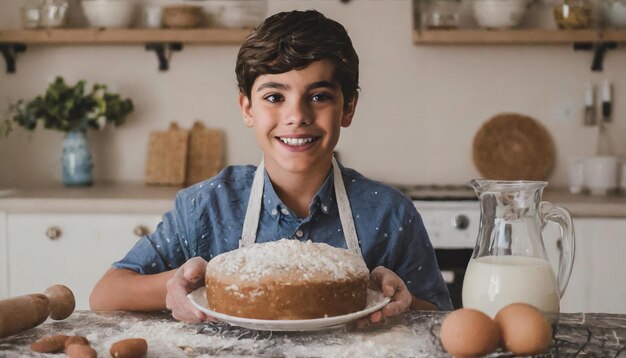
183 16
109 13
499 14
237 13
615 13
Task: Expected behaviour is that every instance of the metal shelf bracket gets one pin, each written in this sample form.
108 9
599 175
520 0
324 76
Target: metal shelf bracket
164 52
9 52
599 50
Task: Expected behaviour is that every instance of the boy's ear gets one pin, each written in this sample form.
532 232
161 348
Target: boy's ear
348 112
244 104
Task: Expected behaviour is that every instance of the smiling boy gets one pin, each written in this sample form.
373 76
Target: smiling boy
298 86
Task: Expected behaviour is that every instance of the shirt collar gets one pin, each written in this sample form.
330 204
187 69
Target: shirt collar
324 196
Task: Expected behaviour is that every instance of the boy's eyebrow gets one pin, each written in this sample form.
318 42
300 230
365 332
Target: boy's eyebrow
282 86
322 84
276 85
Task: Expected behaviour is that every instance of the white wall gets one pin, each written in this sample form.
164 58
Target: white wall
420 106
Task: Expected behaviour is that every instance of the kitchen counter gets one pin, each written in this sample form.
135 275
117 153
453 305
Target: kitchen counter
412 335
137 198
586 205
102 198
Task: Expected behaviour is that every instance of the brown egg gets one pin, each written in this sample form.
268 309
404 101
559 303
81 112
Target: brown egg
525 330
469 333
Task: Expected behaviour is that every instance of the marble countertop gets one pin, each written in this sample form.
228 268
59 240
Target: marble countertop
137 198
415 334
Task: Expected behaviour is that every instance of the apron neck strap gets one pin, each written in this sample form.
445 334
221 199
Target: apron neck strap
345 212
253 212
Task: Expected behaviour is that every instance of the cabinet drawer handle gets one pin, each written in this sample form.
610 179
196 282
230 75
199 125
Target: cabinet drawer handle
140 230
53 232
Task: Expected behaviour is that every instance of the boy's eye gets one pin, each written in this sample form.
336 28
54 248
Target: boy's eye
321 97
273 98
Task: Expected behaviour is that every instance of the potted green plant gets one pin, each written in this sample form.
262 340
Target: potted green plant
72 110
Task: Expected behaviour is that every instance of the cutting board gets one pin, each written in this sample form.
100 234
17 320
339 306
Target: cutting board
205 153
511 146
167 156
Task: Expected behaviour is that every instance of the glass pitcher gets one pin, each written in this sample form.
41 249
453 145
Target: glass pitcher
509 263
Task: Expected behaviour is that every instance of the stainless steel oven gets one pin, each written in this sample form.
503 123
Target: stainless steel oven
451 215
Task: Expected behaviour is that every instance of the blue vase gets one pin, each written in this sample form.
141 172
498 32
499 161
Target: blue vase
77 163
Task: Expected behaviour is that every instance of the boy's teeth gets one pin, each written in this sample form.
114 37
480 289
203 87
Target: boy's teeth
296 141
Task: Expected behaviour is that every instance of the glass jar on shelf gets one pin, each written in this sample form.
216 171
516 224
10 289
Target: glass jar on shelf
30 14
615 13
573 14
441 14
53 13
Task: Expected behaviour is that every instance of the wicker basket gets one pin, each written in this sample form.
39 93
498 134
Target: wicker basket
167 157
511 146
183 16
205 154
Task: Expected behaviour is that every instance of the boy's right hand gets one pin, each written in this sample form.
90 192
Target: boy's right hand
187 278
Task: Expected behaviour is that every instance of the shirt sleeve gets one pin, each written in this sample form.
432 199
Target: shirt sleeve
168 247
417 265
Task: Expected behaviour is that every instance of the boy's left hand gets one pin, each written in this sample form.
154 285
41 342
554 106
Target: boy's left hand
384 280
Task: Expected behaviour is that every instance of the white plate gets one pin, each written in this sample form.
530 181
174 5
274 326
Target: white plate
375 301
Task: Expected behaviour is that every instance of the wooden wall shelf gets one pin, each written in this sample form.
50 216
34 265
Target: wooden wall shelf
162 41
102 36
598 41
515 37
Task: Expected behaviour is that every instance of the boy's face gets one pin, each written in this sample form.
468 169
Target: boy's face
297 116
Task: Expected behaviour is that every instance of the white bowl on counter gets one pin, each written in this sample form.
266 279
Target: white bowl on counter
499 14
109 13
615 13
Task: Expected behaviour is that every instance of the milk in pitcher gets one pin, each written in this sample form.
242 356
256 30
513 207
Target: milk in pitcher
492 282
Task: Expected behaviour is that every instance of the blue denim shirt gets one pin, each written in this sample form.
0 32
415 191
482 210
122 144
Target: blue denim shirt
208 217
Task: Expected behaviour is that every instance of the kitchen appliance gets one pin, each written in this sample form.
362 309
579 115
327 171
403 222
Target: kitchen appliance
509 263
450 214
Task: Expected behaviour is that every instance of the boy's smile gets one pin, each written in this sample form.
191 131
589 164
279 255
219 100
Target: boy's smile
297 117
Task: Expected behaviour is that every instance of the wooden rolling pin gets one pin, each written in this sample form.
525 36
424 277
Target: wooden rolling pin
20 313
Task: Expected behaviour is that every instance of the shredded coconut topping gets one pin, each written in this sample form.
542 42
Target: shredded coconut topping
303 259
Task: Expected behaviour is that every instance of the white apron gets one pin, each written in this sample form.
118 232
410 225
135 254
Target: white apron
253 212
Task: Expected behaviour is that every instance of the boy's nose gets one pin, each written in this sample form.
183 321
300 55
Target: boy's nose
300 114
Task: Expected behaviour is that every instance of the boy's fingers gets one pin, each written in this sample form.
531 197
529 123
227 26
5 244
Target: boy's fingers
190 273
376 276
194 269
393 309
388 288
363 323
376 317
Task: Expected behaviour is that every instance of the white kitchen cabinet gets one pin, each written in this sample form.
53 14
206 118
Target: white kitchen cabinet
606 249
70 249
598 281
576 297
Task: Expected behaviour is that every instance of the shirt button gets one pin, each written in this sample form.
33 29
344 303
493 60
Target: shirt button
324 208
284 211
299 233
274 212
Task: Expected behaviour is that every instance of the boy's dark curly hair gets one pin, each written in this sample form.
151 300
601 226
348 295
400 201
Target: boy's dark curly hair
292 40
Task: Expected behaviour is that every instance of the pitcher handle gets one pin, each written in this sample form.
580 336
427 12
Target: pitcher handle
562 217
